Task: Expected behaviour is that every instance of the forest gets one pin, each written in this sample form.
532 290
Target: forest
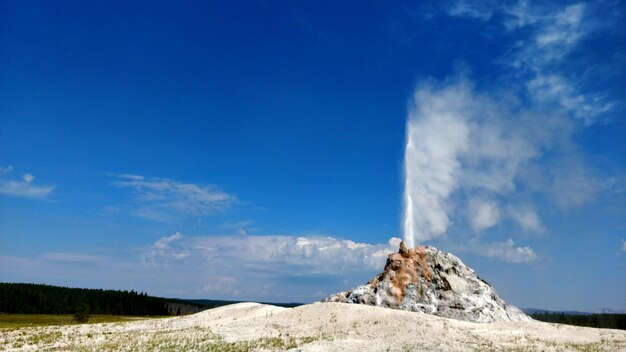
606 321
22 298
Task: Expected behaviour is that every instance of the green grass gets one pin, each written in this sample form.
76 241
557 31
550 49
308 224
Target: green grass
13 321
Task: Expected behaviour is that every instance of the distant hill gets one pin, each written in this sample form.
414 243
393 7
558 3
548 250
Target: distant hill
23 298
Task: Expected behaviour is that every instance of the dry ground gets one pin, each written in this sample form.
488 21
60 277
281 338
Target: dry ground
314 327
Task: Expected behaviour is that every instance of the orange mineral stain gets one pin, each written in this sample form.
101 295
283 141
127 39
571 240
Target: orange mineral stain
404 267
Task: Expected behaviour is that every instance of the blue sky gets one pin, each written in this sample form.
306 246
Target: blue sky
256 150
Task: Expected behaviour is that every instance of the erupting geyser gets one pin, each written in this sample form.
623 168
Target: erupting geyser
409 154
436 136
422 278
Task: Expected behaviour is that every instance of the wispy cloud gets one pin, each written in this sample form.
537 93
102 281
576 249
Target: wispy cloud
223 285
542 55
70 257
546 37
162 251
23 187
572 183
483 214
163 199
482 10
506 251
526 217
241 227
5 170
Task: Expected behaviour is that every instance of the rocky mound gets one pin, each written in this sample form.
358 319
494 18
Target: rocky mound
427 280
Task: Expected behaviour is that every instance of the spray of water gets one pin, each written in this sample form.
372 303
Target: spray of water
409 235
437 133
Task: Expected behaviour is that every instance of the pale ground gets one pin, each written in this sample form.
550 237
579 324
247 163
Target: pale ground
313 327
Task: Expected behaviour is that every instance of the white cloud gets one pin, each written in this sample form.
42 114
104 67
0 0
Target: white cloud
482 10
28 178
553 31
526 217
567 181
483 214
612 185
624 246
520 15
6 170
561 29
162 251
555 88
572 185
547 38
22 188
164 242
165 200
506 251
554 36
310 254
279 266
70 257
221 285
132 177
241 227
260 268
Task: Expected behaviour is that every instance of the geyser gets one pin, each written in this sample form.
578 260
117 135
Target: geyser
408 217
409 153
437 134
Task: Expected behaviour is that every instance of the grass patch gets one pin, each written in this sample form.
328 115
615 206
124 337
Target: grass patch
45 338
13 321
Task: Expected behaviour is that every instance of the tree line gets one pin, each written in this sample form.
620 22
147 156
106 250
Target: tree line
607 321
20 298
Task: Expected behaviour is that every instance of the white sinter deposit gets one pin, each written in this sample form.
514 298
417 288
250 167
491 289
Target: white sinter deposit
318 327
427 280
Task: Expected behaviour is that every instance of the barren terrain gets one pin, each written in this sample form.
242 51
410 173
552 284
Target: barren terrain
313 327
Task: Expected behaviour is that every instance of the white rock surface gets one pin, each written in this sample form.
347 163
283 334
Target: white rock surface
311 328
430 281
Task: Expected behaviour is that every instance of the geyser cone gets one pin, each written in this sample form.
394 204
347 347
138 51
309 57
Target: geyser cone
427 280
